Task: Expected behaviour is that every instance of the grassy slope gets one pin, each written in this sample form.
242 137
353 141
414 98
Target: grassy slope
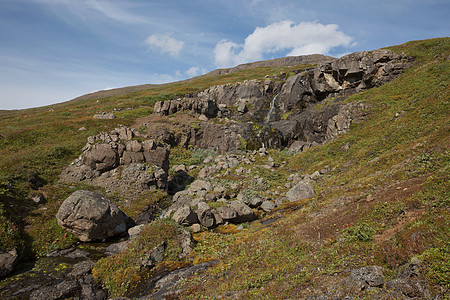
35 144
284 259
401 162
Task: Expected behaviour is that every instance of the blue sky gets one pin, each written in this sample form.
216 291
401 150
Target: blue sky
55 50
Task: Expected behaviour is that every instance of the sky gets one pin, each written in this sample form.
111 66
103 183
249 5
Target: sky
52 51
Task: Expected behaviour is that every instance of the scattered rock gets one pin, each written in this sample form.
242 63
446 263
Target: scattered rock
185 216
244 213
267 206
105 116
302 190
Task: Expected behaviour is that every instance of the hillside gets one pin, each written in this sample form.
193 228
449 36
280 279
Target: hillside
324 179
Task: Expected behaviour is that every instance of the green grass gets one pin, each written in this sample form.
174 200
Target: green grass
123 271
274 261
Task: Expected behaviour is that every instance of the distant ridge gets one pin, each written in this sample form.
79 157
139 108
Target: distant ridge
277 62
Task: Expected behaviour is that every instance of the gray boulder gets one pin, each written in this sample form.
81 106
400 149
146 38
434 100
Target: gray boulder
302 190
227 213
244 213
206 217
267 206
8 260
185 216
102 158
91 216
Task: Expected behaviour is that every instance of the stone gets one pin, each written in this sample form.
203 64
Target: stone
105 116
254 202
8 259
102 158
134 232
82 268
200 185
369 276
244 213
227 213
91 216
206 217
185 216
196 228
302 190
63 290
267 206
154 256
117 248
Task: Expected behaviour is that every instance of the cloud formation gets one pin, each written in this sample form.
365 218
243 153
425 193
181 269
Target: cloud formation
165 43
300 39
195 71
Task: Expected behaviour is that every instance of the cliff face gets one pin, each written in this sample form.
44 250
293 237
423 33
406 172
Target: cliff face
305 109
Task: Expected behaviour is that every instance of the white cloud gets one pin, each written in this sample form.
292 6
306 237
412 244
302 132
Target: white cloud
195 71
300 39
165 43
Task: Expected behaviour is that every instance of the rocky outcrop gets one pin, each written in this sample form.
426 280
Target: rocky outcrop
306 107
345 76
118 162
91 216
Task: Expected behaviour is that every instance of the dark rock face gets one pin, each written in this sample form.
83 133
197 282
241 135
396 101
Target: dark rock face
91 216
272 114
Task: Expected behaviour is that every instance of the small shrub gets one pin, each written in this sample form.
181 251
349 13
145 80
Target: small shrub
362 233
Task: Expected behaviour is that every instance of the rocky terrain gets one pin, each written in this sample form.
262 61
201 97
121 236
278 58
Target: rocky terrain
326 180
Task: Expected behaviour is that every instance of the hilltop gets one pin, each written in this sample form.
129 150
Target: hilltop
303 177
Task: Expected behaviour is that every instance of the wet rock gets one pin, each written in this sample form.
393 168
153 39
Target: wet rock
8 260
82 268
167 285
91 216
63 290
117 248
302 190
71 252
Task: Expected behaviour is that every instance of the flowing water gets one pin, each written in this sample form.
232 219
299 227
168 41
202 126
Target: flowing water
267 135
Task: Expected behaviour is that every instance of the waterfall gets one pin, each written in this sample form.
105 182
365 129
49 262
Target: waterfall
271 110
264 134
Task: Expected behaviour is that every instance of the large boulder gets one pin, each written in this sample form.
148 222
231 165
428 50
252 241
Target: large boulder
91 216
303 190
244 213
8 260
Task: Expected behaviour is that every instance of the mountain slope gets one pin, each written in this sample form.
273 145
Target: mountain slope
382 189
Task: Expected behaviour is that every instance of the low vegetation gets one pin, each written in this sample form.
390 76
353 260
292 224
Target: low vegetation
384 199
